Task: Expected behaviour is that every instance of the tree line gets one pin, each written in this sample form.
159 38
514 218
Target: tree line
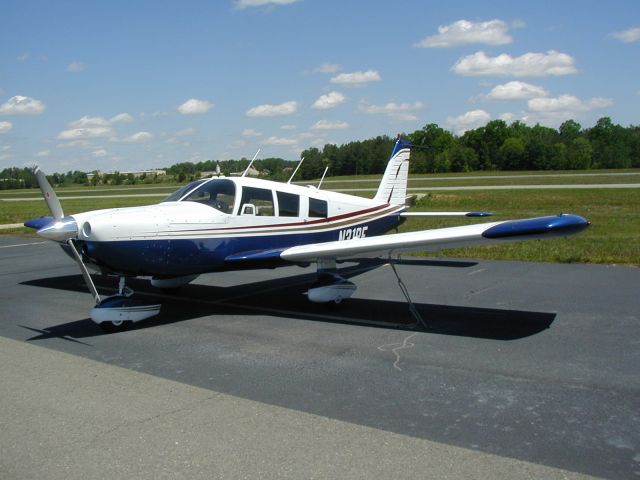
495 146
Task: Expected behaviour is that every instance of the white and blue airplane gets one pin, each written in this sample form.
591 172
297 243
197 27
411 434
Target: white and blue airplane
219 224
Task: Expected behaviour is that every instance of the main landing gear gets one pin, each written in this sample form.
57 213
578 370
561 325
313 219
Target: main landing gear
330 287
117 312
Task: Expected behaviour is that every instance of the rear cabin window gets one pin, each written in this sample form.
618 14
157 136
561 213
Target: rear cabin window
288 204
261 198
317 208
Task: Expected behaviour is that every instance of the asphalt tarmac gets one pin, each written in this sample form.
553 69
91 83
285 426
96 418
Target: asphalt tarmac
523 370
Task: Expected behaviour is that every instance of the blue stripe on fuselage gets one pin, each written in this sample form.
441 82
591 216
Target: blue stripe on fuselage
200 255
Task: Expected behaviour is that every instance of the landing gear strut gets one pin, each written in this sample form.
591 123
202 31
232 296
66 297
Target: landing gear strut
330 287
117 312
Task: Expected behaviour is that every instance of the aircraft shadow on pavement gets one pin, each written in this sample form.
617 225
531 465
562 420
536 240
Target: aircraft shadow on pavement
285 297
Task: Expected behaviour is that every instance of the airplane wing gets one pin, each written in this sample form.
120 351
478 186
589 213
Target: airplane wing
437 239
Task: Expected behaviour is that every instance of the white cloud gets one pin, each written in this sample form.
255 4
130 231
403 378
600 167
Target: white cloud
5 127
553 111
357 79
20 105
242 4
397 111
516 91
88 121
279 141
195 106
76 67
121 117
464 32
468 121
185 132
527 65
138 137
23 57
78 133
100 152
43 153
567 103
327 125
91 127
326 68
329 100
75 143
250 132
267 110
507 117
288 127
627 36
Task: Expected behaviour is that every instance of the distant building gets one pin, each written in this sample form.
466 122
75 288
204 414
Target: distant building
135 173
215 173
252 173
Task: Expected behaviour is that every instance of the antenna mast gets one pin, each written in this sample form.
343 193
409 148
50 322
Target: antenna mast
322 179
250 163
296 170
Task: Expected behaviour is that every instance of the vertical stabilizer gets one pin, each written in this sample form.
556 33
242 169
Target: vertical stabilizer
393 188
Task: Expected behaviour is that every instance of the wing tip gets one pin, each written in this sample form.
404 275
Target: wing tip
557 225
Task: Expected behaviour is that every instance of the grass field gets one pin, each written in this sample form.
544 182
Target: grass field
613 238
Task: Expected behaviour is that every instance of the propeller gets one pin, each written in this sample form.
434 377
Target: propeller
49 195
62 228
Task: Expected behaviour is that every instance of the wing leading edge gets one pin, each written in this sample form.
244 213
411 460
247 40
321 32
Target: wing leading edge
441 238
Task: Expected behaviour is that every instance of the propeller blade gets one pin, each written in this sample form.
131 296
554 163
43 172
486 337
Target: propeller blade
49 195
85 272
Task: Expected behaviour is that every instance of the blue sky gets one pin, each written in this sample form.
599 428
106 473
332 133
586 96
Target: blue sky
124 85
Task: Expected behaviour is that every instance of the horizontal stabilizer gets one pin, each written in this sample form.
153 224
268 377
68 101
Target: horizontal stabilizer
254 255
267 258
446 214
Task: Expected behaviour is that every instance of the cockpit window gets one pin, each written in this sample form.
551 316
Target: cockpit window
219 194
182 191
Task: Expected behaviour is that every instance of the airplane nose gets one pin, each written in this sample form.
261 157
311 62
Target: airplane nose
60 231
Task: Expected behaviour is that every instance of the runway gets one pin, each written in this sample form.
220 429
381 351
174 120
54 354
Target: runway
524 369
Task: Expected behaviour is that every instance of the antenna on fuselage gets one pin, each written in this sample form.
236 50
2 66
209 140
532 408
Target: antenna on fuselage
322 179
250 163
296 170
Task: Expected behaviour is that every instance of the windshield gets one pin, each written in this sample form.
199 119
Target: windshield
219 194
178 194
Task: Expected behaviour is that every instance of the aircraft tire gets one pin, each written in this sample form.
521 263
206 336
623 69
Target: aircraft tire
113 327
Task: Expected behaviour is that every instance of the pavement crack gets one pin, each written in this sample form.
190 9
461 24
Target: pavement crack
142 421
396 347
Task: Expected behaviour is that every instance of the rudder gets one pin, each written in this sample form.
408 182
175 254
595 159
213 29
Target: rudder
393 187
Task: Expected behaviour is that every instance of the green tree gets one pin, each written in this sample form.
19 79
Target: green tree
569 131
512 154
579 154
609 147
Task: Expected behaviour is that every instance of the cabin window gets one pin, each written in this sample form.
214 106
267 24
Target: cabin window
317 208
259 197
219 194
288 204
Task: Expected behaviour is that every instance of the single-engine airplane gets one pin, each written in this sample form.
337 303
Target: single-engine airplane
219 224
